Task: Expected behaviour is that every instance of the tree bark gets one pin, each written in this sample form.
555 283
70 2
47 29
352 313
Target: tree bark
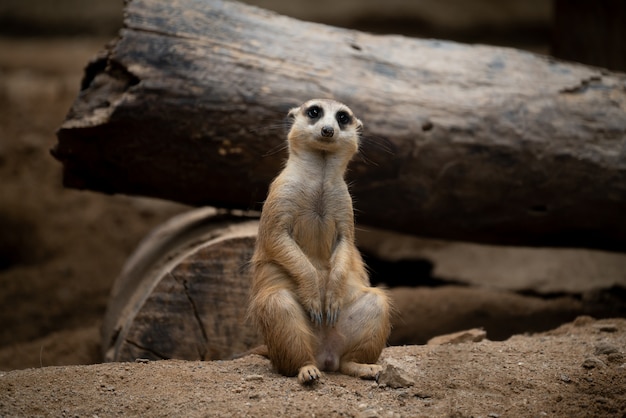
461 142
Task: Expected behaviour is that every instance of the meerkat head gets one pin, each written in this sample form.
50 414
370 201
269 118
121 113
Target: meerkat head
324 125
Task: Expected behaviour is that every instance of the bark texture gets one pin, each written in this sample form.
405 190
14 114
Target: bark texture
461 142
184 292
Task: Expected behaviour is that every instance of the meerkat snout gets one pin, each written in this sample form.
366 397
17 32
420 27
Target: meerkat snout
328 131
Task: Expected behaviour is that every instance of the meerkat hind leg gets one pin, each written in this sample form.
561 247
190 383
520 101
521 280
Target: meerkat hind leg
362 370
287 333
365 325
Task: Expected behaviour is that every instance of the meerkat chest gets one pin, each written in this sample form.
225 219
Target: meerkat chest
319 218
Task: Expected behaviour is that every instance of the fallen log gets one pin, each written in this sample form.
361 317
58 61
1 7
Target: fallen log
183 294
461 142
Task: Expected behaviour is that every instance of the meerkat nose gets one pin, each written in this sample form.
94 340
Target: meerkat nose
328 131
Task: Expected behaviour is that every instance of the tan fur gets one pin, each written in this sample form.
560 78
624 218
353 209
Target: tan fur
311 297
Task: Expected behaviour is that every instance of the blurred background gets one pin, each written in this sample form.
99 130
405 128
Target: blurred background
61 250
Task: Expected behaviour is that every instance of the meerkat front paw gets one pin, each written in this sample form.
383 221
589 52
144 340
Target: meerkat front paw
335 294
309 297
314 308
332 309
308 374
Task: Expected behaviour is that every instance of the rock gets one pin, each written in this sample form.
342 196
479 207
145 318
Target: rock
468 336
592 363
368 413
606 327
605 348
394 376
583 321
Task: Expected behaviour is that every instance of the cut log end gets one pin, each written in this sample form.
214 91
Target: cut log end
184 294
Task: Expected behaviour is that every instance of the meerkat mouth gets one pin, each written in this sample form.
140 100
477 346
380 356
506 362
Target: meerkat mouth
325 139
325 144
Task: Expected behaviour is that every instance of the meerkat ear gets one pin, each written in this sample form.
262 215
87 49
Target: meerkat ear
359 124
291 115
291 118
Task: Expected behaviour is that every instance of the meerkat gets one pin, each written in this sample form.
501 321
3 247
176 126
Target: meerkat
311 296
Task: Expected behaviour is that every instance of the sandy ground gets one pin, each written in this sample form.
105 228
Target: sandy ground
578 370
60 251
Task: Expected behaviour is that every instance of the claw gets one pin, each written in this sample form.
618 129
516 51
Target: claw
316 318
309 375
332 316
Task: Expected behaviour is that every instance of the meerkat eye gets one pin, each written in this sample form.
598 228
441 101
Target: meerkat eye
343 118
314 112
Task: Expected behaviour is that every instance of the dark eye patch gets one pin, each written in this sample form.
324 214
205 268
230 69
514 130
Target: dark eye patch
314 112
343 118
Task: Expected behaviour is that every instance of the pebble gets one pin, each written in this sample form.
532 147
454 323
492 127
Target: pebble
368 413
592 363
373 413
474 335
253 377
404 394
394 376
605 348
606 327
583 320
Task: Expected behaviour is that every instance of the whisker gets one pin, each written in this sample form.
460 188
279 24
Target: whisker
269 128
278 129
379 142
371 144
275 150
